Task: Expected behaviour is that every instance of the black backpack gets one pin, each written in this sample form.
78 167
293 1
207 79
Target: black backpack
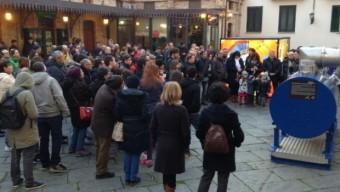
11 114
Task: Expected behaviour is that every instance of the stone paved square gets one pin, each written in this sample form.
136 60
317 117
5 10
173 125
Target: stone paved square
255 172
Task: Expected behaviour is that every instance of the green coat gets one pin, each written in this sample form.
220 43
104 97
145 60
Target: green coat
15 64
26 136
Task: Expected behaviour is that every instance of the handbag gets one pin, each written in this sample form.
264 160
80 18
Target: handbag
85 113
117 134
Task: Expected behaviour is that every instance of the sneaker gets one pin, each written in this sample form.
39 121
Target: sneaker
105 175
8 148
60 168
34 185
83 153
20 182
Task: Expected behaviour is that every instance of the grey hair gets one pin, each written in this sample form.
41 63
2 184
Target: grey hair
56 54
85 61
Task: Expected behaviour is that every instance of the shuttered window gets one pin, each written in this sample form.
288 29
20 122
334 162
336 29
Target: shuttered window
287 18
254 19
335 22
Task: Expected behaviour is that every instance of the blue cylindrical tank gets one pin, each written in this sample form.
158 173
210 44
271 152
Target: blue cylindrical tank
303 107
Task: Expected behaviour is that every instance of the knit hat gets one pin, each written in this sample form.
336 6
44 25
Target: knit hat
74 72
132 82
114 82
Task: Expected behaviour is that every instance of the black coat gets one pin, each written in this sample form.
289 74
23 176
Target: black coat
131 110
57 71
170 132
191 92
104 117
153 96
77 94
220 114
272 66
232 74
95 86
217 71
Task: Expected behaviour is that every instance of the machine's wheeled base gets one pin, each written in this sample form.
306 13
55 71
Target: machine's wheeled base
306 152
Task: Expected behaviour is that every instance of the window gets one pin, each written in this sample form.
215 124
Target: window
231 5
335 23
195 4
149 5
254 19
287 18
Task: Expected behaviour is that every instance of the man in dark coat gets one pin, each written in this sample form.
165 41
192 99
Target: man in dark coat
56 67
131 110
86 66
217 69
273 66
103 120
28 46
191 95
220 114
289 66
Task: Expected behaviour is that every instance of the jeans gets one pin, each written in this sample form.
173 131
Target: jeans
28 156
208 175
131 166
46 126
78 139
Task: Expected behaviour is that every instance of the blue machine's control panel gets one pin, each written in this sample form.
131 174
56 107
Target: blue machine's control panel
302 89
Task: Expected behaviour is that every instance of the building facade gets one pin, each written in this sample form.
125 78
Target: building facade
306 22
150 23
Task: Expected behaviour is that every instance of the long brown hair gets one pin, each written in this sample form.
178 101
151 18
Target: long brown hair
151 76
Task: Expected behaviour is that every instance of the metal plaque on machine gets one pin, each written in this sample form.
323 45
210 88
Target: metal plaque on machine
305 90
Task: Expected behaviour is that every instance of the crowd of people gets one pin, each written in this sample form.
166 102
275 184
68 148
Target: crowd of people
155 95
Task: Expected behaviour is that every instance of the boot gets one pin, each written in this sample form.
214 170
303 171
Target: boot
168 189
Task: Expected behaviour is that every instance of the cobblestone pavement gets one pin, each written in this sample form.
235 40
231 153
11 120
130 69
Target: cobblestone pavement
255 172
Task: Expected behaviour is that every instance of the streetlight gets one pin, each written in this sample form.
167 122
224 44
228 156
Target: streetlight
105 21
203 15
137 23
65 19
8 16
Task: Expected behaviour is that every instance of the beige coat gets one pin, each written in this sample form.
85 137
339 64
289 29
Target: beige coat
26 136
6 82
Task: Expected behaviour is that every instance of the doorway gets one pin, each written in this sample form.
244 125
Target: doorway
89 36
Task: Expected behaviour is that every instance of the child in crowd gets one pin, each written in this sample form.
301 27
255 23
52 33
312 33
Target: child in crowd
263 87
250 89
243 88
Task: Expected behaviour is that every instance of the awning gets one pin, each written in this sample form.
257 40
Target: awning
83 8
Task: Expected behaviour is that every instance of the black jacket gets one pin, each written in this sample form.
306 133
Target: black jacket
131 110
57 71
220 114
191 95
232 69
170 133
77 94
272 66
217 70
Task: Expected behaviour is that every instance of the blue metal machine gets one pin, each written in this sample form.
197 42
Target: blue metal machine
304 110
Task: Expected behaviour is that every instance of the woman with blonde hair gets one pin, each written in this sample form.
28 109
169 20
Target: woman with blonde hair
170 133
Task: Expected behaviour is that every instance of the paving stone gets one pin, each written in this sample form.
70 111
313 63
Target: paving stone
264 165
193 173
235 185
248 140
101 185
192 162
243 167
59 188
256 178
243 157
322 182
337 189
295 186
193 185
259 132
180 187
254 147
133 189
292 173
262 154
